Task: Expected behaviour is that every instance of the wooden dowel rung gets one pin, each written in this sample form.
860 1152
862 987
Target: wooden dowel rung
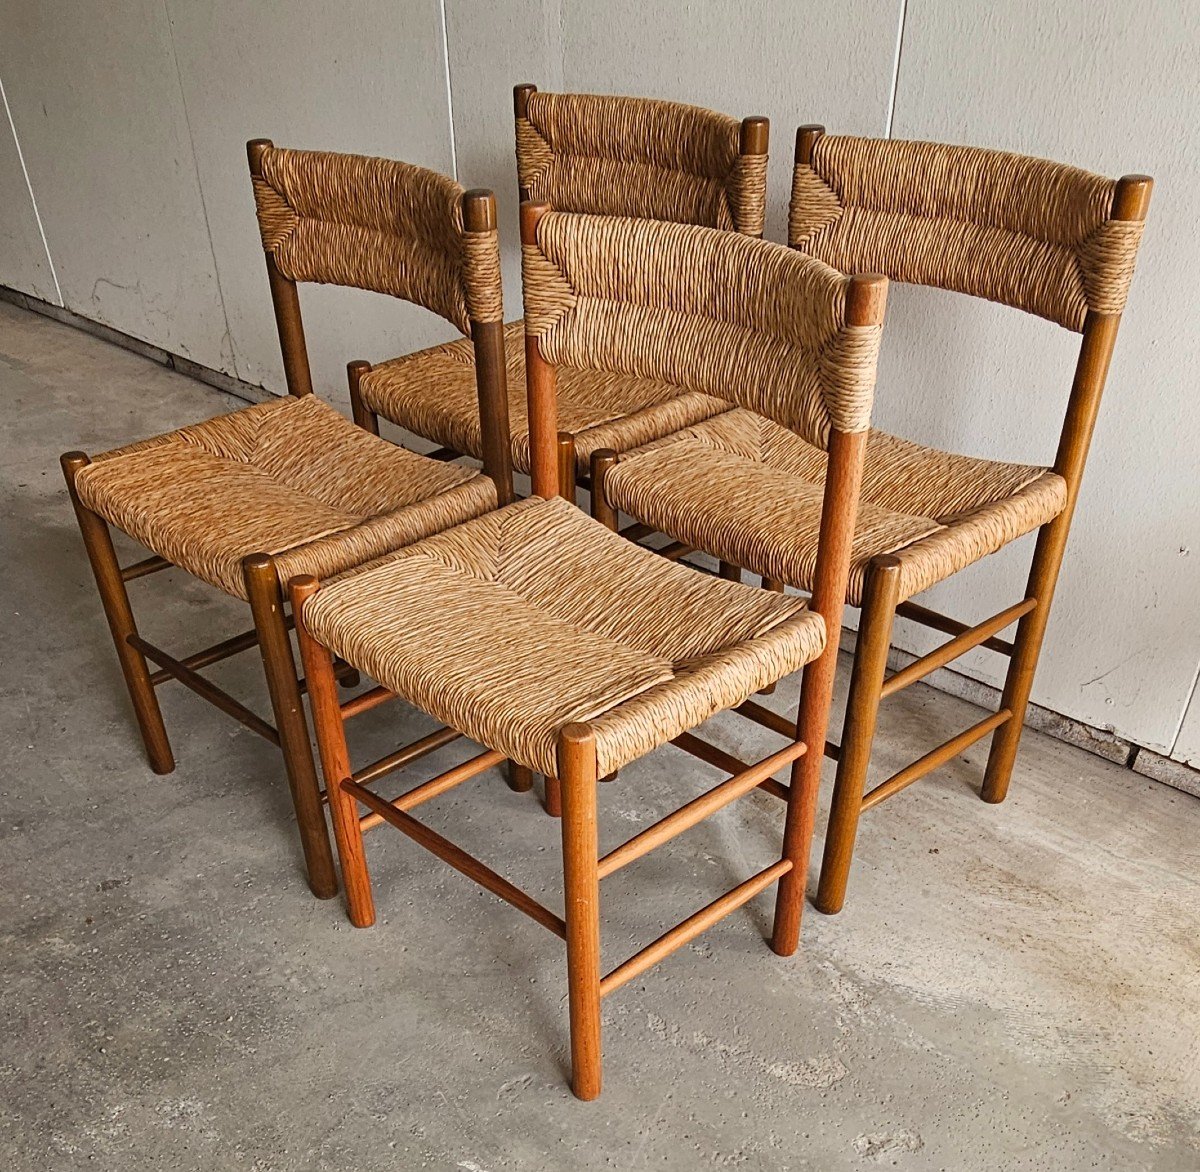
435 785
690 743
367 700
934 758
698 809
211 655
678 936
675 550
458 858
442 454
968 638
150 565
949 626
412 752
768 719
637 531
217 697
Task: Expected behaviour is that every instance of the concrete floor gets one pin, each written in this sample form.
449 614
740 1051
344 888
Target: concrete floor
1009 987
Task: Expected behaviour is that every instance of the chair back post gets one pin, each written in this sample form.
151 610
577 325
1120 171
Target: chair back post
479 215
806 140
541 386
285 298
521 95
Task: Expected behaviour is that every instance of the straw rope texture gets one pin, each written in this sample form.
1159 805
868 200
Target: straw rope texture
617 156
1024 232
937 511
433 393
717 313
515 624
380 225
291 478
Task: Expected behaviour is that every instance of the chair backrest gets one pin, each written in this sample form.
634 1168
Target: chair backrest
643 158
392 228
1039 236
1028 233
752 322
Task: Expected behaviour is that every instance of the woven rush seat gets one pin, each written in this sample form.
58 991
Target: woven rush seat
432 393
520 622
749 491
291 478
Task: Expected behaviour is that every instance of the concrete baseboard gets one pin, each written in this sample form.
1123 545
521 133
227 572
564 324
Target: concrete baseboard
1064 728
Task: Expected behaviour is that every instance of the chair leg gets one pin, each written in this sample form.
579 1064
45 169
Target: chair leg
335 759
554 797
566 466
520 778
1027 646
603 459
363 415
775 585
880 599
111 586
729 572
266 604
581 883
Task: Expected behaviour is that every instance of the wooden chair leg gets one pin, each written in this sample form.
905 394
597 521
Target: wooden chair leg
566 466
880 598
266 604
111 586
519 778
602 460
1027 646
775 585
554 797
581 883
729 571
363 415
335 759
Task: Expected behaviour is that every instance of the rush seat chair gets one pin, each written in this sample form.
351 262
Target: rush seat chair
1044 238
247 500
549 639
601 155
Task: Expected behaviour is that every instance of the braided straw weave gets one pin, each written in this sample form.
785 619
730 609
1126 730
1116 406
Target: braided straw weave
617 156
529 618
380 225
938 512
432 393
712 312
1025 232
291 478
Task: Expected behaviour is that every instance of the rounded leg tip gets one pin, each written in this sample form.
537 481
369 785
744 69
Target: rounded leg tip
585 1090
162 768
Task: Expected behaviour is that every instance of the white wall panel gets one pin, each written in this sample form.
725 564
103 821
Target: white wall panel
1097 83
96 103
1187 747
364 77
24 264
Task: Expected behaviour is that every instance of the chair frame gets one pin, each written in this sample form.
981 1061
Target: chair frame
266 596
882 603
753 140
583 867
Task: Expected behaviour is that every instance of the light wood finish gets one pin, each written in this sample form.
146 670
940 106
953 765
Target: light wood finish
541 389
940 622
363 415
267 606
435 786
698 809
335 758
581 886
865 306
858 729
566 466
97 541
690 928
365 701
419 748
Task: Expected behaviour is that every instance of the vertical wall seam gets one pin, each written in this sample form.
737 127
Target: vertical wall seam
1193 697
891 110
187 121
449 90
32 198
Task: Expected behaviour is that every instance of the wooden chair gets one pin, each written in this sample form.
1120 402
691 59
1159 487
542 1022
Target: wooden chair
247 500
1044 238
552 641
600 155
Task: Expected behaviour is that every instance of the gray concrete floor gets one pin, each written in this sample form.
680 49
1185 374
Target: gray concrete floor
1009 987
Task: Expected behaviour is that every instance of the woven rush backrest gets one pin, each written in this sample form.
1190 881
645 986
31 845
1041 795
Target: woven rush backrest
639 157
380 225
1028 233
746 320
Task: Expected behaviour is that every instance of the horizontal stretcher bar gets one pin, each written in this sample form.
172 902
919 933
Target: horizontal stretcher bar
698 809
210 655
968 638
413 752
776 722
217 697
435 785
940 622
150 565
367 700
934 758
678 936
691 743
458 858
